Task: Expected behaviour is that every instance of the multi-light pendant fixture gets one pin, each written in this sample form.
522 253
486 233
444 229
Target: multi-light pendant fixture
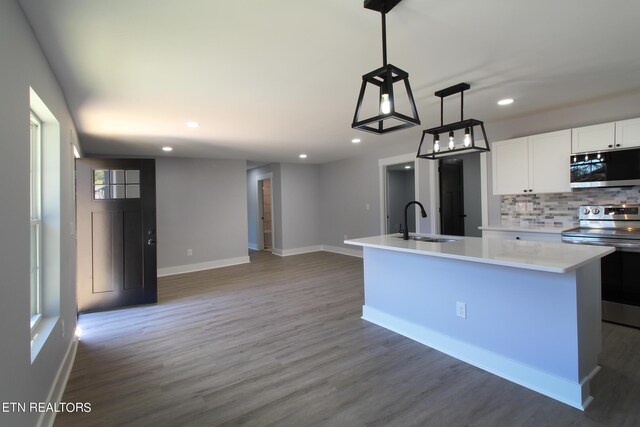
384 116
469 142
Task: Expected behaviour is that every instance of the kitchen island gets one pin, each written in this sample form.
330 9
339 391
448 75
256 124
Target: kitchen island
526 311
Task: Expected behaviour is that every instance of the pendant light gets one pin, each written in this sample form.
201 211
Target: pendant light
386 117
468 142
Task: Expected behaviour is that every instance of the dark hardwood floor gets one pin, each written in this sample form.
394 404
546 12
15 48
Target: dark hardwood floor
280 342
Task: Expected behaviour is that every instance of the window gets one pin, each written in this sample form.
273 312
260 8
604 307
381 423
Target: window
116 184
36 220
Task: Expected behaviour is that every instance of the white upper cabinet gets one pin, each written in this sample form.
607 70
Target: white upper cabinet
535 164
606 137
628 133
593 138
510 166
549 161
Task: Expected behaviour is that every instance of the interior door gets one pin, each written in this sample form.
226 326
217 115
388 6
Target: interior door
451 197
116 210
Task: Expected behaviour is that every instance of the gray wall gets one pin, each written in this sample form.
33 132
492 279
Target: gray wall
201 205
300 190
24 65
349 185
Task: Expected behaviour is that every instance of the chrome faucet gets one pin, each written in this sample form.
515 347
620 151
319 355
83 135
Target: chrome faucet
405 233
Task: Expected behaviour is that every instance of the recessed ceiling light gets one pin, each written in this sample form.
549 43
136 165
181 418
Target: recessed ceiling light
167 149
505 101
356 140
408 167
193 125
303 156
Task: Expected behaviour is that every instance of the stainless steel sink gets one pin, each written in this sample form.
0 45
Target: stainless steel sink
430 239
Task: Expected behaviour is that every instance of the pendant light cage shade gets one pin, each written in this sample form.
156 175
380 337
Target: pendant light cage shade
462 134
392 106
426 148
390 85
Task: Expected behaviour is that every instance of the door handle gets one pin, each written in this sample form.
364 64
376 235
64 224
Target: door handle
151 242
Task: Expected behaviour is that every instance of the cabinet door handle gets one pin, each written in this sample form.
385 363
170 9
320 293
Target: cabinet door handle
610 146
617 145
517 238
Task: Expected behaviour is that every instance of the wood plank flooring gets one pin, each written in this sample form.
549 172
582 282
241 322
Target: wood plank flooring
280 342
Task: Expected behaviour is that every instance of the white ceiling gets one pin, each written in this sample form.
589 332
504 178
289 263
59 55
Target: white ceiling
268 80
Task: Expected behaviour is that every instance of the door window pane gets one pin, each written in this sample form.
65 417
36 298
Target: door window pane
100 177
117 192
117 177
133 177
133 191
100 192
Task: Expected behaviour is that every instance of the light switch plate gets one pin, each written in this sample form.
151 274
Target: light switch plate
529 207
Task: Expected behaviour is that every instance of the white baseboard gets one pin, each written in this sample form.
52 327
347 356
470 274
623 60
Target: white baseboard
59 384
253 246
190 268
317 248
572 393
343 251
298 251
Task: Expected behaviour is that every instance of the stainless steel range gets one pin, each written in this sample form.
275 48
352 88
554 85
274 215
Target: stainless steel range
618 226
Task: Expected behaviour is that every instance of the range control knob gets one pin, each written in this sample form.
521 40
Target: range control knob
586 211
596 211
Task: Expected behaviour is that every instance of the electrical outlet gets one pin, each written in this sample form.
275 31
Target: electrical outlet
521 207
345 237
189 252
529 207
461 309
368 206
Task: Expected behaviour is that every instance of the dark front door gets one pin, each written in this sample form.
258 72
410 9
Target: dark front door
116 211
451 197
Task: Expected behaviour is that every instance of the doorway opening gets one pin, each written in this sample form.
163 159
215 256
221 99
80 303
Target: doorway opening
265 215
400 190
459 184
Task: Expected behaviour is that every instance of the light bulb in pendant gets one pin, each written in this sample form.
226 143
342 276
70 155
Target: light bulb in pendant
436 143
385 104
467 138
452 144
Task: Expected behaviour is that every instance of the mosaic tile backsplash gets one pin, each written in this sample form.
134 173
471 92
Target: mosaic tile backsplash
561 209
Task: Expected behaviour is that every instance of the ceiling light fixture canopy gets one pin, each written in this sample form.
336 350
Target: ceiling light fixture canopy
386 117
469 142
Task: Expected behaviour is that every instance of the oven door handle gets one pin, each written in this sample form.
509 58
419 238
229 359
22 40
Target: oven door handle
620 246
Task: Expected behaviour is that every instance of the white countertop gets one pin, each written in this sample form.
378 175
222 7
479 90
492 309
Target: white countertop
529 228
540 256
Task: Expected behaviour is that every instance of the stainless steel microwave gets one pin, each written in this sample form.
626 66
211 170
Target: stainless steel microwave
618 168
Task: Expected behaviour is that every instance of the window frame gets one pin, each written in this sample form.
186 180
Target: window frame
35 217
